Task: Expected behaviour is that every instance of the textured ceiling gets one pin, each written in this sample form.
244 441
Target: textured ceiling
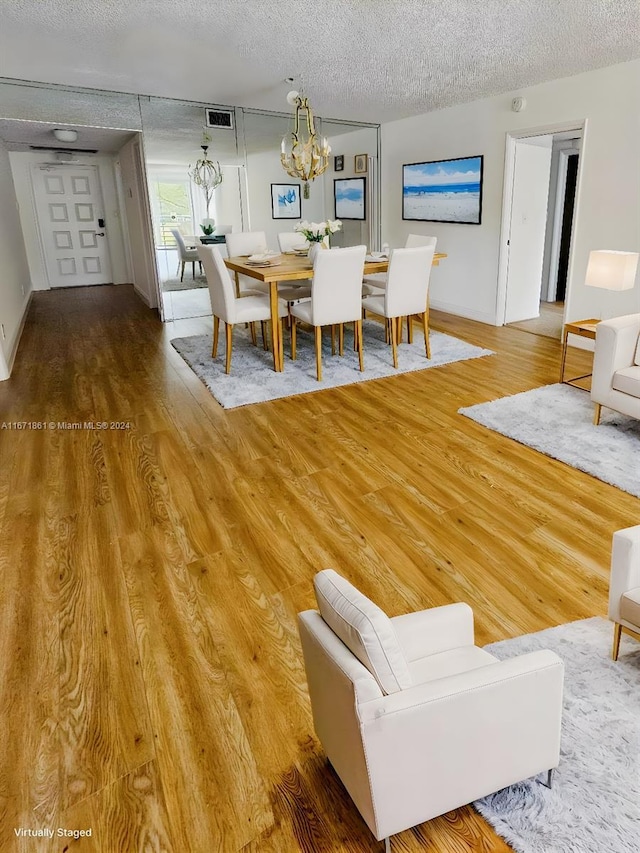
363 60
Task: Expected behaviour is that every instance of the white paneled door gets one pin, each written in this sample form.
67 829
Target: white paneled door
72 225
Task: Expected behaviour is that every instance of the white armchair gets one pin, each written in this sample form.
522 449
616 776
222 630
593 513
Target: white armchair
624 587
616 366
415 719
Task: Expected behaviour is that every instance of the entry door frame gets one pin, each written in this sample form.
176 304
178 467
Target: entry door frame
507 203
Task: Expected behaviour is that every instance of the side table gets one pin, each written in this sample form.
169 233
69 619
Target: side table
584 329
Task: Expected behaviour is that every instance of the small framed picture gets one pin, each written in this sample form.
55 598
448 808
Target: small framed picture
338 163
285 201
360 164
350 196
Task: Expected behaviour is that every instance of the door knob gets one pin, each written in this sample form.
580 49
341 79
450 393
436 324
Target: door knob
99 233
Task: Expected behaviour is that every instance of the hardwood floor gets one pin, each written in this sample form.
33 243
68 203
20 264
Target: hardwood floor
152 684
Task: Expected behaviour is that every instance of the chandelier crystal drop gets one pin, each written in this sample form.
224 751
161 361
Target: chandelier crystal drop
302 154
207 175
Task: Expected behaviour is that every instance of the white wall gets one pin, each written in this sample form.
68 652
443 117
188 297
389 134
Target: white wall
608 212
15 284
137 216
21 165
263 169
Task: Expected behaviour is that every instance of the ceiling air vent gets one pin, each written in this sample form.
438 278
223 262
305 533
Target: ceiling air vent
219 118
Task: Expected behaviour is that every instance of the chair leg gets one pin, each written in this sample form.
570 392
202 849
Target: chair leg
281 342
425 323
425 320
333 339
596 417
294 327
357 333
182 266
318 335
410 328
394 341
193 270
617 632
263 328
399 327
216 328
387 845
254 339
341 338
229 334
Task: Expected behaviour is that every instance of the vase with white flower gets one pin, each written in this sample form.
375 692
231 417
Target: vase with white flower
316 233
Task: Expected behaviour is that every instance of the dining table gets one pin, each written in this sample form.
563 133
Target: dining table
291 267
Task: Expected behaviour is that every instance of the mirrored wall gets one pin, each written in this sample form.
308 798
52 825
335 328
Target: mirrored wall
150 190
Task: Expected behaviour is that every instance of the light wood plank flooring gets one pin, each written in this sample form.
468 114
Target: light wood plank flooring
152 684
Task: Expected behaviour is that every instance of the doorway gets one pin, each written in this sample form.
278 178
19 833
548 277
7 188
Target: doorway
541 180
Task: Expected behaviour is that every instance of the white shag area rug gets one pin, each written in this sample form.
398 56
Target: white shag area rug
557 420
253 379
593 805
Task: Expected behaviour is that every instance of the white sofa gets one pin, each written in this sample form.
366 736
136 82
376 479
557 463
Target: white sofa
415 719
624 586
616 366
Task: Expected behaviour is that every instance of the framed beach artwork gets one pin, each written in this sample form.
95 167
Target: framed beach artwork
350 197
443 190
285 201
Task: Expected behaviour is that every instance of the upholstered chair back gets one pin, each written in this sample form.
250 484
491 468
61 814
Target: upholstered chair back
336 290
182 249
221 288
415 240
289 240
408 281
246 243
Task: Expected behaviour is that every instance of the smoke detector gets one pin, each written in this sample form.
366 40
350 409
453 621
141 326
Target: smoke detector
65 135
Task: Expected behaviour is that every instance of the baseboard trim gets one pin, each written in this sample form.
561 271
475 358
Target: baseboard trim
15 343
460 311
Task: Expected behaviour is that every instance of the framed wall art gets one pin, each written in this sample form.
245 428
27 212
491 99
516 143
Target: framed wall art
360 164
285 201
338 163
443 190
350 195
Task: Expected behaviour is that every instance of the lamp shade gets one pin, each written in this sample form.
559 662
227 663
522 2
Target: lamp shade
611 270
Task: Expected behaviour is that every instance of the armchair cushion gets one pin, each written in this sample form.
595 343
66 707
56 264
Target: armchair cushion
364 629
463 659
630 606
627 380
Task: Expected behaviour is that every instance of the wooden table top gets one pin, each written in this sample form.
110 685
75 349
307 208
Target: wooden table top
296 268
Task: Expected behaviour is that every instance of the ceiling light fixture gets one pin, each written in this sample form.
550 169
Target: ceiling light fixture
65 135
206 174
302 155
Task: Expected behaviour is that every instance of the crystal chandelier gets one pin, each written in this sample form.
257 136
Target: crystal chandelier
207 175
302 154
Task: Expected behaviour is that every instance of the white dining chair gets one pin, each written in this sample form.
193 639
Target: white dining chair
290 240
186 255
336 298
231 309
406 293
247 243
379 279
